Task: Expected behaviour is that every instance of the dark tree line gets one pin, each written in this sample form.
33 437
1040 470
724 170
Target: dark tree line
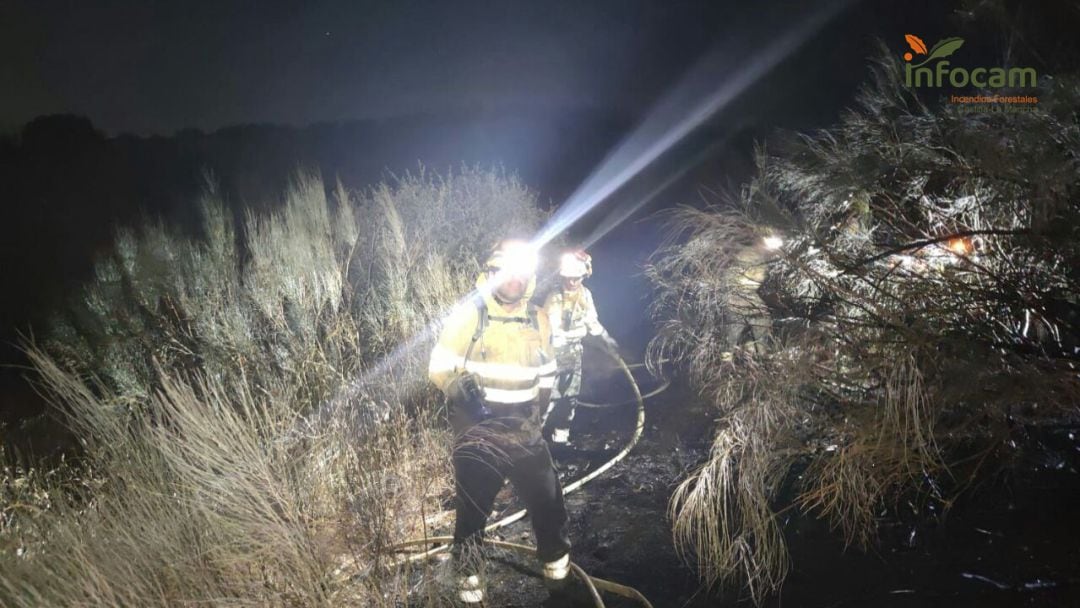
66 187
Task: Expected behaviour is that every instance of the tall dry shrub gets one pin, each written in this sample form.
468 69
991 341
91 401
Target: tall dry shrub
253 404
925 302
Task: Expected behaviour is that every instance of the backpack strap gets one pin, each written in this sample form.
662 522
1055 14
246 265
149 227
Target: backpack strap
568 312
534 313
483 316
481 325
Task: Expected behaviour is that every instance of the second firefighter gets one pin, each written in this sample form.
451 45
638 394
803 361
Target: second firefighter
572 314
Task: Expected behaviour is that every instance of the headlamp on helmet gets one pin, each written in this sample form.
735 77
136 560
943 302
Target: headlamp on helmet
513 258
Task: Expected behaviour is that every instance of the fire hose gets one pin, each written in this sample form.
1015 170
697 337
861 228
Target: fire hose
663 386
593 584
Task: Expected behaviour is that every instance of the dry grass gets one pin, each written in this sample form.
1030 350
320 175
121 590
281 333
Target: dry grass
926 302
254 407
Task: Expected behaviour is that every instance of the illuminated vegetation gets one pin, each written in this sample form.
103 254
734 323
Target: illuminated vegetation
924 308
247 438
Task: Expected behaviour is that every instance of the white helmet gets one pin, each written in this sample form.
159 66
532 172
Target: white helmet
575 264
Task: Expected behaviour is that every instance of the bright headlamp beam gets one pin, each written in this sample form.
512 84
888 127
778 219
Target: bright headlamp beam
619 215
679 113
517 259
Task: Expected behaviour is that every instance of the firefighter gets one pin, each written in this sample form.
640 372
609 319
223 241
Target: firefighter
751 320
572 315
495 364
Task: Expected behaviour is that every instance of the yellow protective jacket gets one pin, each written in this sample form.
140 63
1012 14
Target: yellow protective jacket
572 316
748 268
513 359
745 274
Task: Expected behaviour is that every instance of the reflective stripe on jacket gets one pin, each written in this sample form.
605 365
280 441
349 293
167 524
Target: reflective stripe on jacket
581 321
513 359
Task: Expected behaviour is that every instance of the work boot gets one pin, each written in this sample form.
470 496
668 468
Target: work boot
470 590
467 561
557 570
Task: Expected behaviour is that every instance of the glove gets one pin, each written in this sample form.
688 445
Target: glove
464 392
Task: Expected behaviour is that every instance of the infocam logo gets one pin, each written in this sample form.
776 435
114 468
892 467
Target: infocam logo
942 73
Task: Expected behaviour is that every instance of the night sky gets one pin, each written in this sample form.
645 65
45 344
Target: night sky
159 66
544 89
156 67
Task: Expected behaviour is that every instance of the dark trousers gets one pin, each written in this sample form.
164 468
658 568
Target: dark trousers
480 471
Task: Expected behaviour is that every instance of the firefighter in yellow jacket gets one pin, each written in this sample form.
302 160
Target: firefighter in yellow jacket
495 363
572 314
